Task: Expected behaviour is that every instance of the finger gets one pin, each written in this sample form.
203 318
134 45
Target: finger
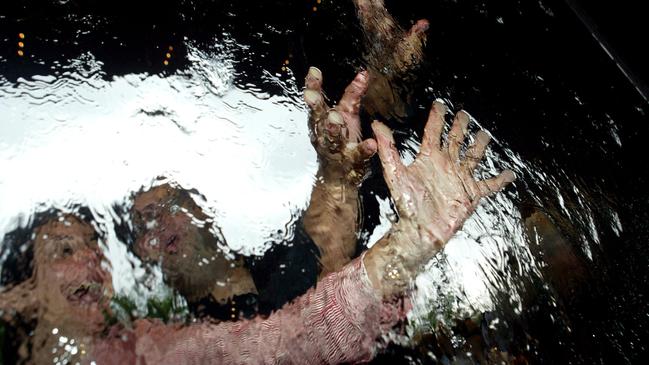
495 184
332 132
350 104
457 134
313 96
378 25
351 100
420 28
363 151
393 169
433 129
411 47
475 153
313 80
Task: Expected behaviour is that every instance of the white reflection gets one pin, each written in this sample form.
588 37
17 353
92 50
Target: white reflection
78 138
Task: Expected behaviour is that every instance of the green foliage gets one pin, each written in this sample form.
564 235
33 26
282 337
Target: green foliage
167 308
124 310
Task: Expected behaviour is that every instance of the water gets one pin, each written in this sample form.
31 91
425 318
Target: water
551 271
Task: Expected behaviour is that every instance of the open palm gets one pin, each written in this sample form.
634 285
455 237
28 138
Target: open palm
437 192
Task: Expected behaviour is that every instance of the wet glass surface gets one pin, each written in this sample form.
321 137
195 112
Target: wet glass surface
102 101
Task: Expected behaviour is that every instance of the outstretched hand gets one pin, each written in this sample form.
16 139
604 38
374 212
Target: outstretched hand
391 53
437 192
332 216
434 196
336 132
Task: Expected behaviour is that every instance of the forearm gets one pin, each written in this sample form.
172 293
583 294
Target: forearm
339 321
331 220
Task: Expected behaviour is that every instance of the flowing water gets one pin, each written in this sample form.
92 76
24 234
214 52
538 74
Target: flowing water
101 101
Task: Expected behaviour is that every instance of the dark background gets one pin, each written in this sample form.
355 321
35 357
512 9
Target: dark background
549 78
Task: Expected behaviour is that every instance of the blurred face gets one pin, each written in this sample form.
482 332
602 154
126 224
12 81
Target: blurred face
71 284
171 229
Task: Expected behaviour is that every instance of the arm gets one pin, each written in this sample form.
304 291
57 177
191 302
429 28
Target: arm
332 216
434 196
338 321
384 36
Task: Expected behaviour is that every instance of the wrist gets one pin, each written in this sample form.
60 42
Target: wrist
331 220
397 258
340 171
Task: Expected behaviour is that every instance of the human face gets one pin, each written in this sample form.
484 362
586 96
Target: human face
172 229
71 284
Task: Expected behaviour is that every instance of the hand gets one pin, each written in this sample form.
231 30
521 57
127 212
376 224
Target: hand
331 218
433 196
437 192
383 37
336 132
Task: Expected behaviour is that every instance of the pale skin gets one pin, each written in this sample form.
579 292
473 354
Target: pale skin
434 196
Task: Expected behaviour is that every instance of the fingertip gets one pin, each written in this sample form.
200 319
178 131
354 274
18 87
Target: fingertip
360 83
508 176
440 107
314 73
312 97
421 26
379 128
482 137
382 133
463 118
364 76
313 79
335 118
369 147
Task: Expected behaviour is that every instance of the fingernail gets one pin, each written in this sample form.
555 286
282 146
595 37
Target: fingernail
314 73
311 97
440 106
463 118
483 137
335 118
509 176
364 75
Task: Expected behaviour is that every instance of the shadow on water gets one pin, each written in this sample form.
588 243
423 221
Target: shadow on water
553 271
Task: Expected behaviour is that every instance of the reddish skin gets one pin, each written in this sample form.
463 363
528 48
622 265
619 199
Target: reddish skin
336 322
